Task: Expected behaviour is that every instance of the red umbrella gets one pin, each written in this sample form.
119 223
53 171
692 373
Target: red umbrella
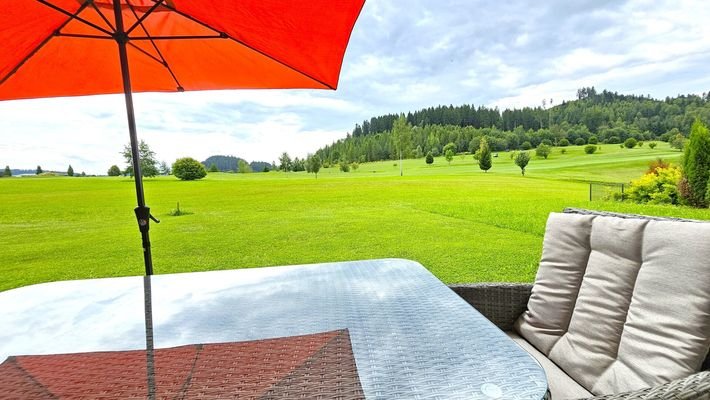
57 48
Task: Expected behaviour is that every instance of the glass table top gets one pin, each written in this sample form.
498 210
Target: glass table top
378 329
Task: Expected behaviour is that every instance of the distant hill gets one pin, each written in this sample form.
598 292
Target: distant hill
594 117
231 163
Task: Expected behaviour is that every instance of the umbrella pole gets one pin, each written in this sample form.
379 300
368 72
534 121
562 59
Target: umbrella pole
142 211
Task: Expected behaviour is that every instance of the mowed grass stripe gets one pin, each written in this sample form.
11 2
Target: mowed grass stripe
464 225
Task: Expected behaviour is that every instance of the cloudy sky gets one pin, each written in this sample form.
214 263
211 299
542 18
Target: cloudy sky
403 55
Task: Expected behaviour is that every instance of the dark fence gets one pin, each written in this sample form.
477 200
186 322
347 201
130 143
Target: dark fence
606 191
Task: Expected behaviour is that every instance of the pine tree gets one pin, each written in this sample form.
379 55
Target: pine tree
8 172
39 170
696 164
485 161
70 171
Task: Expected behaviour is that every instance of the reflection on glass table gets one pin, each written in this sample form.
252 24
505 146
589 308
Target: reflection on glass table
379 329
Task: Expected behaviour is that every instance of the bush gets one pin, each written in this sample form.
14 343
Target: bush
630 143
546 142
114 171
652 145
613 140
543 150
579 142
526 145
658 188
188 169
354 166
590 149
429 158
345 167
563 143
563 151
593 140
657 164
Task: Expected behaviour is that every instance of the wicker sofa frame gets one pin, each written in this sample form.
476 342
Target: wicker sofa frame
503 303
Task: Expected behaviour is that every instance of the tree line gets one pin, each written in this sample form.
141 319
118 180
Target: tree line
594 117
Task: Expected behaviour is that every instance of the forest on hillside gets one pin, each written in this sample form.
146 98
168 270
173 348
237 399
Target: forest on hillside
594 117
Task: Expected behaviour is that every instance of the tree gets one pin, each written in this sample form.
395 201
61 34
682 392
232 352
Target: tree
630 143
147 157
590 149
213 167
8 171
313 164
402 138
165 168
70 171
677 142
39 170
593 140
485 162
563 142
188 169
429 158
526 145
285 161
243 167
114 171
543 151
521 160
696 164
449 152
579 142
652 145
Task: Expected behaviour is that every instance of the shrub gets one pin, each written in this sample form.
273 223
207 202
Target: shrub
590 149
213 168
640 144
593 140
613 140
657 164
579 142
563 143
659 188
546 142
696 164
354 166
526 145
630 143
188 169
563 151
345 167
543 150
652 145
429 158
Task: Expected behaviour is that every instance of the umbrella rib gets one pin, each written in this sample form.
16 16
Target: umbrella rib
44 42
93 5
139 21
156 59
193 19
75 16
160 54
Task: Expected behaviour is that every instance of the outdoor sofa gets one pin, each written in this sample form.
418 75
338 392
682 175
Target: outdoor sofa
620 307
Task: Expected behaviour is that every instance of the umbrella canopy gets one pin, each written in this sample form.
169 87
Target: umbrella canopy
57 48
68 47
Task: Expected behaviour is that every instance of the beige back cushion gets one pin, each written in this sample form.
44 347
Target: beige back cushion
621 304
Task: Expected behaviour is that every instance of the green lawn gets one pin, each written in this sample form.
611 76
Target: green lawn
462 224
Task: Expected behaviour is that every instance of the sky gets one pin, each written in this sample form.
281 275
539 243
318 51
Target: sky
403 55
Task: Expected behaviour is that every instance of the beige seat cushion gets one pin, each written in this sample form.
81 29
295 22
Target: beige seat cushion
561 386
621 304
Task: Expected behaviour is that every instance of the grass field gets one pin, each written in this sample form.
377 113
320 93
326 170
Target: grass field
462 224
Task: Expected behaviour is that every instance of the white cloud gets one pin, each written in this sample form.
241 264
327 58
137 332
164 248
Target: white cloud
403 55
